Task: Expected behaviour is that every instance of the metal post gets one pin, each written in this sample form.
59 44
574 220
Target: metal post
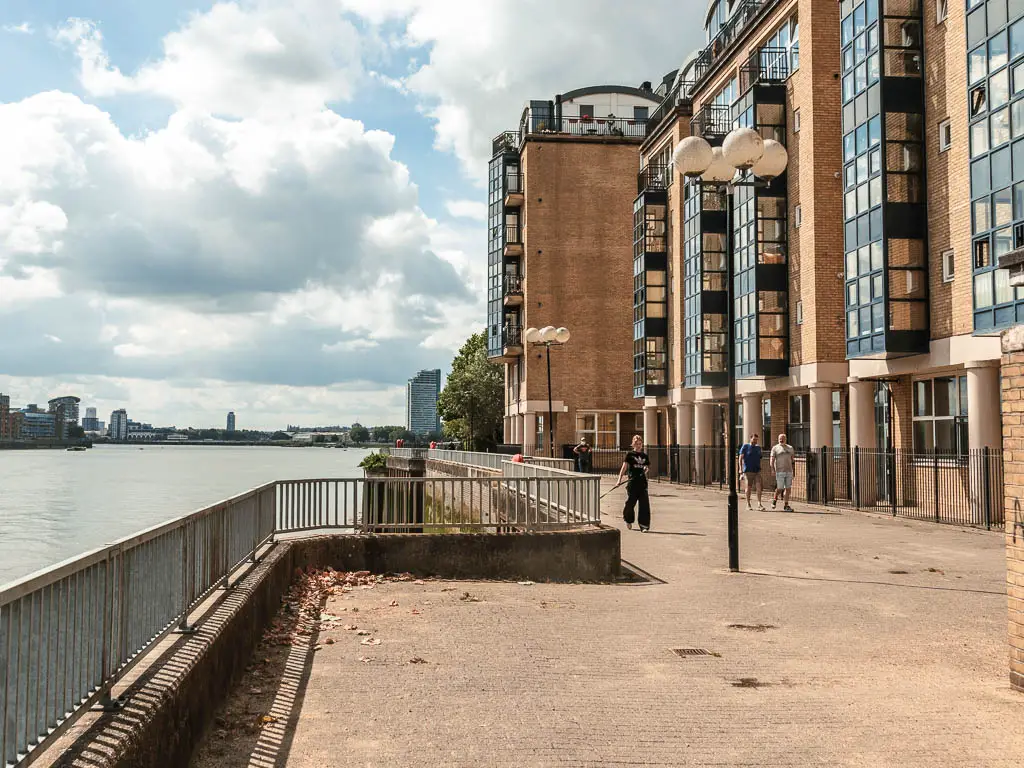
856 476
986 478
551 420
733 505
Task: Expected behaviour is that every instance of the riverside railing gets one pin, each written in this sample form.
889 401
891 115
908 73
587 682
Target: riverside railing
70 632
493 461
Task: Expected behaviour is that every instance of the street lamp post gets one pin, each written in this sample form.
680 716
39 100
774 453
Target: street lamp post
725 169
548 337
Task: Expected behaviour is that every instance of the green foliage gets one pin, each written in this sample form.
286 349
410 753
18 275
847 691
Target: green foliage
359 434
472 402
280 436
374 462
75 432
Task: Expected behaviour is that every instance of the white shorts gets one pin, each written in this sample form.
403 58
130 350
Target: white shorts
783 480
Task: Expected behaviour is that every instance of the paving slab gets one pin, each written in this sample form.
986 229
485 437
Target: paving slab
848 639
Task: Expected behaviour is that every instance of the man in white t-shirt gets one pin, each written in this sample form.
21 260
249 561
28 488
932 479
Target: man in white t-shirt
782 464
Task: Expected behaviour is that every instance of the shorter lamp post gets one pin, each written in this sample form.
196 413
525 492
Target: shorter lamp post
548 337
725 169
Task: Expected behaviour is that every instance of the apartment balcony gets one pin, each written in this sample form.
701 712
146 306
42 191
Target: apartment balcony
505 143
534 123
514 190
746 14
512 291
511 341
712 122
653 177
513 241
678 101
766 66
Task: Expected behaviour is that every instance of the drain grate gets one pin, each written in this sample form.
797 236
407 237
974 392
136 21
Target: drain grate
689 652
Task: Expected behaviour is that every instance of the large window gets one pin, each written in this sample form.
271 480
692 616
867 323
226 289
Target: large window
601 430
798 429
940 415
837 419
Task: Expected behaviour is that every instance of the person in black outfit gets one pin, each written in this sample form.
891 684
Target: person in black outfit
635 465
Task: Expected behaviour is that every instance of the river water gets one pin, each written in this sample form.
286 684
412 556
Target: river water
58 504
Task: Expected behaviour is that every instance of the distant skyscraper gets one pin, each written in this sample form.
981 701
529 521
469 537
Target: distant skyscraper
231 421
65 414
119 425
90 423
421 395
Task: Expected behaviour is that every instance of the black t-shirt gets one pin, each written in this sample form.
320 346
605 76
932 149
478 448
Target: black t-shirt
636 463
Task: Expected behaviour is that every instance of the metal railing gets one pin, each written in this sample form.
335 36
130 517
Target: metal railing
711 121
766 65
746 12
536 124
513 181
513 234
505 142
513 285
495 461
653 176
70 632
680 96
512 336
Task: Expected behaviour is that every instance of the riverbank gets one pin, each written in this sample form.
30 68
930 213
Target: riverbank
33 445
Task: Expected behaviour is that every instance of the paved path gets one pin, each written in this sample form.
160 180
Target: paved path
869 642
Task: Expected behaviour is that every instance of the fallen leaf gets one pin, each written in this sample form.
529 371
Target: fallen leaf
351 627
363 632
370 641
318 647
417 660
329 641
415 612
393 604
365 659
267 720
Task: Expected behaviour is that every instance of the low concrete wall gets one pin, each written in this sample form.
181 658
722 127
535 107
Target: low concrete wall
173 702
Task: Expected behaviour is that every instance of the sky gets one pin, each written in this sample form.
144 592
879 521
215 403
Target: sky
275 207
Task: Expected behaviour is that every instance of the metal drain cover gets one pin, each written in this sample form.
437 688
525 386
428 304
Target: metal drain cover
688 652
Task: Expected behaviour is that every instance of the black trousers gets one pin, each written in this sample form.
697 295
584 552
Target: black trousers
637 492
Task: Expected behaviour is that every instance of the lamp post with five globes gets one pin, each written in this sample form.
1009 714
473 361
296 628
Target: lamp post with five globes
548 337
724 169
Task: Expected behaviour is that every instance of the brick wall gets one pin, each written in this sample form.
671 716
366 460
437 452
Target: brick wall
578 258
1013 479
949 222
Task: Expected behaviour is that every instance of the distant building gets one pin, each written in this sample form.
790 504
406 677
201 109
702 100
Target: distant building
65 414
231 421
36 424
119 425
5 418
90 423
421 395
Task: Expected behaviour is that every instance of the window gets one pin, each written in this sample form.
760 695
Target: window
796 121
837 419
941 10
799 313
948 268
640 114
940 415
798 217
798 428
945 135
600 430
586 111
538 438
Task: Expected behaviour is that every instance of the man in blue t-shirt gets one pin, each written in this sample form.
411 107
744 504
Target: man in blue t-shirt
750 465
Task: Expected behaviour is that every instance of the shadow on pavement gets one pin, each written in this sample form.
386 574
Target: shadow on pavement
876 583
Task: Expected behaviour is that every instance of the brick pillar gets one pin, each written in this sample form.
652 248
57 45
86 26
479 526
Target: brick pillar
1013 483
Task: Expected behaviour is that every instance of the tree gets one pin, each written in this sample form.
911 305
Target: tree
472 402
75 432
359 434
280 436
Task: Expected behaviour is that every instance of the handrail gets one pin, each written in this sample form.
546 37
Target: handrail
68 633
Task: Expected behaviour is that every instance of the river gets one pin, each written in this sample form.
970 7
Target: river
58 504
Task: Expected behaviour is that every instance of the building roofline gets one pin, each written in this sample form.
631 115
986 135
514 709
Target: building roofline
595 89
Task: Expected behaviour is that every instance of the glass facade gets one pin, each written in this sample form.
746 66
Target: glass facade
883 153
704 286
995 47
650 293
503 228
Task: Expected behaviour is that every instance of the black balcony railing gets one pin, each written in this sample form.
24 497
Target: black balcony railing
717 50
765 66
679 96
512 336
653 176
713 120
513 234
513 285
513 182
533 125
505 142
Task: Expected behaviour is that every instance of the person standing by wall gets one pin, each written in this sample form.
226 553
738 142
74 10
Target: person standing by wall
782 465
583 456
750 465
636 465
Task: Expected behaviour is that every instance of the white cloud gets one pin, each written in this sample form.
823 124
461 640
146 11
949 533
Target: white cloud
51 337
18 29
487 58
467 209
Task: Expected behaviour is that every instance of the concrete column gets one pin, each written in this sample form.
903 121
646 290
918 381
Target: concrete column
984 423
752 417
530 431
517 430
706 462
650 426
684 423
864 438
821 416
508 430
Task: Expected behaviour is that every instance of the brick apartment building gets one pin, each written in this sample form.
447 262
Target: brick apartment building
560 234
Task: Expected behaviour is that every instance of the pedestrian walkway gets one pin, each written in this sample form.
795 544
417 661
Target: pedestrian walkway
847 640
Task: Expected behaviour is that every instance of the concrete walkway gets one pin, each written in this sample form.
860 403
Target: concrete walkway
848 640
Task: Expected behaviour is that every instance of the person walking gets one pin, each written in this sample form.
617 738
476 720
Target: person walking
750 465
782 465
583 456
635 465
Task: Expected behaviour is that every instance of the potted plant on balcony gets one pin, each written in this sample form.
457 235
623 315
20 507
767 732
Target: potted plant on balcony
374 464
